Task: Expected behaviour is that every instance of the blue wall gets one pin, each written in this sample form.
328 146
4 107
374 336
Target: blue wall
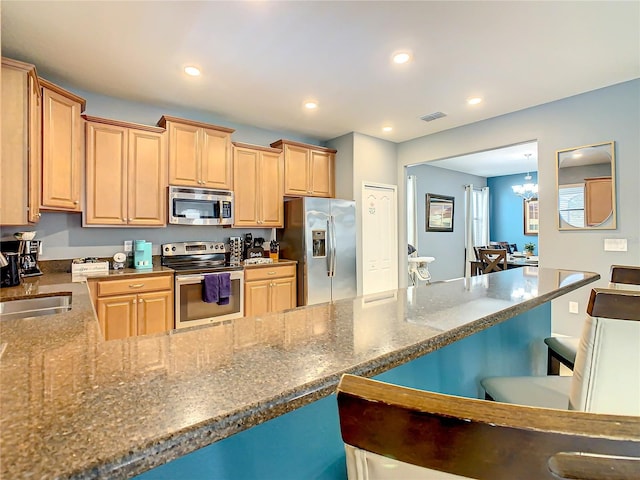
306 443
506 221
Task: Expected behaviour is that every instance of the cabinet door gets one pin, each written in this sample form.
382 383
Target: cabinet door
296 170
184 154
245 188
35 151
598 200
61 150
257 299
283 294
155 312
14 158
217 168
117 316
147 184
321 165
106 175
271 208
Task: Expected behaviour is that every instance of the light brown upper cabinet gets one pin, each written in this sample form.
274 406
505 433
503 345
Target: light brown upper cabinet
62 148
126 174
258 178
21 144
308 169
199 154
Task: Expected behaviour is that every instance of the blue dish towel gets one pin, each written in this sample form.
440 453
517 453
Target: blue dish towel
211 289
224 290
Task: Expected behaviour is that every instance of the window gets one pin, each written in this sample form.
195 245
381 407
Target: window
571 204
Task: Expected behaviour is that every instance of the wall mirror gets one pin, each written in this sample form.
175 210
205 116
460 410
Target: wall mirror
586 187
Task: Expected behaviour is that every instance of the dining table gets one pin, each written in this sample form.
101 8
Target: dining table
513 261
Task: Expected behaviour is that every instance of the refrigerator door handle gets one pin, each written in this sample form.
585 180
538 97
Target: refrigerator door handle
329 248
334 256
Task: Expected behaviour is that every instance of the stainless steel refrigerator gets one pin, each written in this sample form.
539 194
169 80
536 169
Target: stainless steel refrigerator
320 233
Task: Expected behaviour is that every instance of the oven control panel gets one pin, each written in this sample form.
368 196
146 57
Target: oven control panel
193 248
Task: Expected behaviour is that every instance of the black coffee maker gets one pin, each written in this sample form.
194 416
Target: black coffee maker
10 271
28 254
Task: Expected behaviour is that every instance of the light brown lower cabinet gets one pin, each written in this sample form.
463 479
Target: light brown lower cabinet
136 306
269 289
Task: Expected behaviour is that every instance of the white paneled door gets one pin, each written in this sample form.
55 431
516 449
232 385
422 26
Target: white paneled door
379 238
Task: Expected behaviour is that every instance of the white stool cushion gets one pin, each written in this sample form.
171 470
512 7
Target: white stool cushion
365 465
566 347
607 368
547 392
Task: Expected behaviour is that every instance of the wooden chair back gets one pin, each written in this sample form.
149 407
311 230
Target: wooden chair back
492 259
629 275
480 439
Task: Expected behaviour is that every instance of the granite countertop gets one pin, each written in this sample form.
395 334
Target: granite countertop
75 405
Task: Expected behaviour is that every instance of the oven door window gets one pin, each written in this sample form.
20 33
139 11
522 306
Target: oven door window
195 209
193 309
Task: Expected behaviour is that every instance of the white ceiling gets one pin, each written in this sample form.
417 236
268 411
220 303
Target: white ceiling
261 59
494 163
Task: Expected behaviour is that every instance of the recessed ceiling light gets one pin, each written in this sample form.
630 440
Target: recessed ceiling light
310 104
401 57
191 70
474 101
387 129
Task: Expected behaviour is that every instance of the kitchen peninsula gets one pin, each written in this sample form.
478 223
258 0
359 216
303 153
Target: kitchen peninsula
76 406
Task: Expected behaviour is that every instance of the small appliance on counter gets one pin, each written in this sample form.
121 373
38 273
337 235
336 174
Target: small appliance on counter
27 250
248 244
142 254
10 273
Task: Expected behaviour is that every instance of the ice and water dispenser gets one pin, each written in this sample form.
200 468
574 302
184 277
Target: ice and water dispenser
319 243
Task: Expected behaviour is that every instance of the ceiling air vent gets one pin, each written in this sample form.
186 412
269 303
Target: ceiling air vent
430 117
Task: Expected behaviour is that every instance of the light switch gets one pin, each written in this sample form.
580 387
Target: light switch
615 244
573 307
128 245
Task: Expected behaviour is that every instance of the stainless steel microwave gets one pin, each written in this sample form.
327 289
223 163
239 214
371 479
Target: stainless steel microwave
200 206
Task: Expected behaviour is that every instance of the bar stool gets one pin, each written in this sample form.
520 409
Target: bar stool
392 432
606 377
562 350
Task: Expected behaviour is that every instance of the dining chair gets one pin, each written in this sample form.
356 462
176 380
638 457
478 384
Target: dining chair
562 349
606 375
392 432
492 259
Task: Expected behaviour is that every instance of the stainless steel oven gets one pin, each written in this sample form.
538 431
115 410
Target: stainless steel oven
193 261
191 310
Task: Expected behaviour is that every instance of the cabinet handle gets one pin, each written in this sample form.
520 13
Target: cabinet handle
39 215
76 202
271 273
124 220
136 285
133 301
130 219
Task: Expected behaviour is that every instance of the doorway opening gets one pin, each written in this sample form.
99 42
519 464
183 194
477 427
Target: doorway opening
498 169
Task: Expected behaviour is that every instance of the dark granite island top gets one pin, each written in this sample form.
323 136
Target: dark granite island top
73 405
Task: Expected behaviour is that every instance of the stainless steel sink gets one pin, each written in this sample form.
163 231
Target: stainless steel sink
34 307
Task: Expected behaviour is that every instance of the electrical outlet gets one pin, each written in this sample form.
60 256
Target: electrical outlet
573 307
128 245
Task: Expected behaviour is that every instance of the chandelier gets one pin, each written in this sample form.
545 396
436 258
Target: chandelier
527 190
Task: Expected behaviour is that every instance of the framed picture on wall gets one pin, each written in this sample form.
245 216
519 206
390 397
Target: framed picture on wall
439 213
531 217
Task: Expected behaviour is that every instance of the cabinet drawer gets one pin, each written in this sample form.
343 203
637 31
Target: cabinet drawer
134 285
266 273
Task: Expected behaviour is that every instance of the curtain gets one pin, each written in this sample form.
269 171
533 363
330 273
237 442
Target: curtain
476 223
412 212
